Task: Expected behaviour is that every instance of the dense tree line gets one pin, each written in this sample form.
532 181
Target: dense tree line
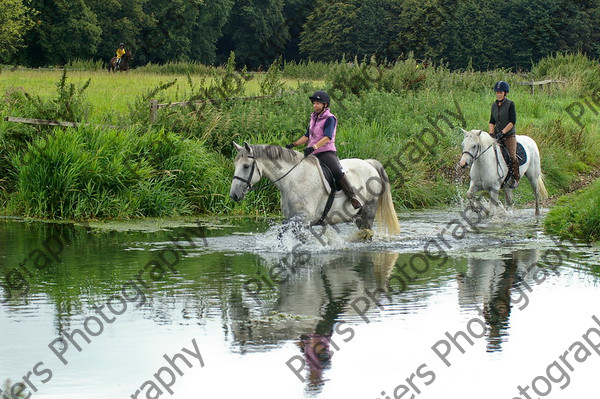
465 33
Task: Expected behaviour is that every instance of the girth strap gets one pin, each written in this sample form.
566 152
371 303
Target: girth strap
328 205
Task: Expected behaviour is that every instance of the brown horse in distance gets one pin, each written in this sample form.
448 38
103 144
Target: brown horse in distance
124 65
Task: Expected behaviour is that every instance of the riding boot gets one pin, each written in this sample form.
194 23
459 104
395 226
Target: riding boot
516 175
511 145
345 185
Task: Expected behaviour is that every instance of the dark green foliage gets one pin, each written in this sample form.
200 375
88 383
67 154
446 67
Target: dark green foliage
330 31
256 31
182 30
15 21
346 28
295 13
121 21
420 28
65 30
467 34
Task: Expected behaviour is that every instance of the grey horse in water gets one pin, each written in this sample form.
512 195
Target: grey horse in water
488 168
304 192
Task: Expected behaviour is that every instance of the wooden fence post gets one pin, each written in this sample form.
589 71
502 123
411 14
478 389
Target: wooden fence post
153 110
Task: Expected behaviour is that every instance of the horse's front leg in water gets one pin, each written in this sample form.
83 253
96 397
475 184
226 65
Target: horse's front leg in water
508 196
296 224
474 204
494 193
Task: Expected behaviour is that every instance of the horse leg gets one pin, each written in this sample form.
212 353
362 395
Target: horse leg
365 217
533 181
471 197
508 196
494 194
296 224
364 221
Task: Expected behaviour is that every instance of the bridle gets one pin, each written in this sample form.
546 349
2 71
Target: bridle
248 181
254 167
477 153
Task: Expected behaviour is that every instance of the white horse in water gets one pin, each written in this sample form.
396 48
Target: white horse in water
489 170
304 192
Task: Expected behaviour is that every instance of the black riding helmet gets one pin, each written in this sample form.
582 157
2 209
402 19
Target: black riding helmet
501 86
321 97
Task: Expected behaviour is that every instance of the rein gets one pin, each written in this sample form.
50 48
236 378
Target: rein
478 154
248 181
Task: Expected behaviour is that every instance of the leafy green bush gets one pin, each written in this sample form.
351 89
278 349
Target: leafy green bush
308 70
271 85
91 173
582 72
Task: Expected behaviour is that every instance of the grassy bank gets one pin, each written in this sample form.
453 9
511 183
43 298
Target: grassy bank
182 163
577 215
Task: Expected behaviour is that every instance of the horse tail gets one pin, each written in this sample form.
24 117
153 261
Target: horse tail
542 186
543 192
385 215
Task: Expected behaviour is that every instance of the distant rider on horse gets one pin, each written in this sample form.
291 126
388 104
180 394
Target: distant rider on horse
320 137
502 127
120 52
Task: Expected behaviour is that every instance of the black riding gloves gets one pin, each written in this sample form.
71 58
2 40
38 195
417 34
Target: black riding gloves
308 151
289 146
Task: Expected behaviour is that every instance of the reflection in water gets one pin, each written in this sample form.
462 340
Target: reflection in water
310 314
307 308
491 282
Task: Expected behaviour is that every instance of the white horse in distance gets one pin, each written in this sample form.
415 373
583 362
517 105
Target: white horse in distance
489 170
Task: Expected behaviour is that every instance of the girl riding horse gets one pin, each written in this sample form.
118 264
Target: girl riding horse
320 137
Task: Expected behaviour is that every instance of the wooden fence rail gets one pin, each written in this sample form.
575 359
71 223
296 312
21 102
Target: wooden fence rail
540 83
46 122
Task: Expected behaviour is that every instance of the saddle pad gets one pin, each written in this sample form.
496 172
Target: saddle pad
521 154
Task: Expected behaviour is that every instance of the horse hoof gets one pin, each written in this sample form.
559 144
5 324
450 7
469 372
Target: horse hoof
363 235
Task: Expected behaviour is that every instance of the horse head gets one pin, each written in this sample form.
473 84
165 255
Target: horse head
246 172
471 146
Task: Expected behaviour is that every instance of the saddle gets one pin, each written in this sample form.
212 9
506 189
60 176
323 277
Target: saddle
330 187
521 154
327 178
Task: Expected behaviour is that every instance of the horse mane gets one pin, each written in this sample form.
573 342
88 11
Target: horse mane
275 153
484 138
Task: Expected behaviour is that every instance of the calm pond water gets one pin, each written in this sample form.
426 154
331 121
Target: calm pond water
453 308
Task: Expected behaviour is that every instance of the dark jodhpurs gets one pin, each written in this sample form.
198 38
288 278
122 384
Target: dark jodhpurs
330 159
510 142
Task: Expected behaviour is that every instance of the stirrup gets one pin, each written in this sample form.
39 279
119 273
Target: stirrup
514 183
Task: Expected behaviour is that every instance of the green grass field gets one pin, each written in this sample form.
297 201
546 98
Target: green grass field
112 93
